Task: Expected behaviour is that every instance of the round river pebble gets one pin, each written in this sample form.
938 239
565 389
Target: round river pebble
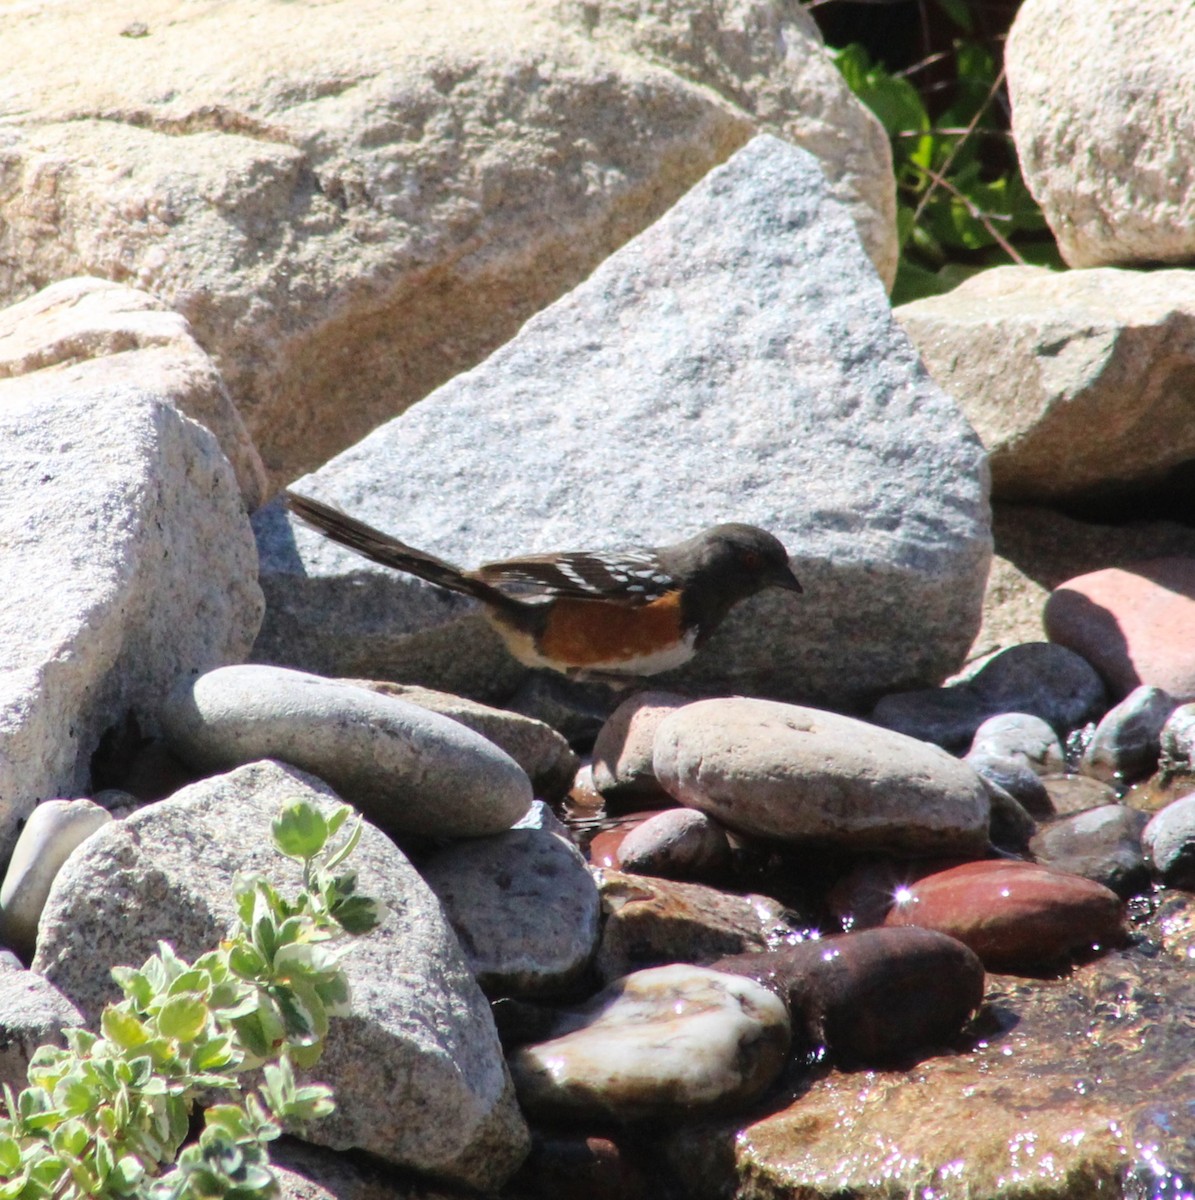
803 775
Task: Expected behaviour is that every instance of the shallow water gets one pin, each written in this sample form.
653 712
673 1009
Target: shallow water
1074 1087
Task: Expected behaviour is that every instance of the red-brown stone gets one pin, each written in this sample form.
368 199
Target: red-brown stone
1014 915
1134 624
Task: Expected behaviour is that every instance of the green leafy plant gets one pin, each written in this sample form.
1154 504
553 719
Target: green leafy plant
962 205
108 1115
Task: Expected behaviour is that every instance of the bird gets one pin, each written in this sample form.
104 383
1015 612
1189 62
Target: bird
603 616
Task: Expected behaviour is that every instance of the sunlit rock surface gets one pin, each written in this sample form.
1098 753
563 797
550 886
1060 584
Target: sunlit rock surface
1074 1084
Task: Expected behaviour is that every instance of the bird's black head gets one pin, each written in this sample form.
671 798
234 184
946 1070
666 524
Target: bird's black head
749 555
726 564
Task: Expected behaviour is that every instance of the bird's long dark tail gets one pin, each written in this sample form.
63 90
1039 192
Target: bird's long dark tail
387 550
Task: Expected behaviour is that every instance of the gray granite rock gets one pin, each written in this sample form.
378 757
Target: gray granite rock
354 207
95 336
662 1043
542 752
1103 118
1039 678
126 559
802 775
409 770
1022 736
1177 739
51 833
33 1013
416 1067
1126 744
1169 842
524 907
740 343
1102 843
1097 361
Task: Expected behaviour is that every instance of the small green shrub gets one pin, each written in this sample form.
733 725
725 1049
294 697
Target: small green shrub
107 1115
962 205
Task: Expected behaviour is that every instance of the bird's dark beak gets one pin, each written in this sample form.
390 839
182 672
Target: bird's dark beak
784 578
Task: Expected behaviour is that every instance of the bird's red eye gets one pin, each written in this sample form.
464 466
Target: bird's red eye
752 560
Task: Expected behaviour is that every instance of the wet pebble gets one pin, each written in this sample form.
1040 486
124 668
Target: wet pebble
1015 915
1011 826
1169 842
1038 678
604 846
864 895
1023 737
653 921
871 996
680 843
1017 778
622 755
410 771
1103 844
1135 624
665 1043
798 775
1077 793
53 831
1127 742
563 1166
1177 740
496 892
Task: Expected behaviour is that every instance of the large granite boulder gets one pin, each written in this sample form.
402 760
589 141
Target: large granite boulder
126 559
1099 362
737 361
352 207
1103 114
93 335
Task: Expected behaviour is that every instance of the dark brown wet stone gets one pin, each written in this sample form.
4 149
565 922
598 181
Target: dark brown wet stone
874 996
1073 1083
649 922
1015 915
578 1167
1077 793
862 898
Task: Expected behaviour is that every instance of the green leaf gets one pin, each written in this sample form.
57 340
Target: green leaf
183 1017
128 1172
357 914
10 1156
348 846
122 1028
213 1055
248 962
135 984
959 12
300 830
303 1018
338 818
194 981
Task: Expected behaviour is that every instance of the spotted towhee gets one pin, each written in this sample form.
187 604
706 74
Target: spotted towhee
612 616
